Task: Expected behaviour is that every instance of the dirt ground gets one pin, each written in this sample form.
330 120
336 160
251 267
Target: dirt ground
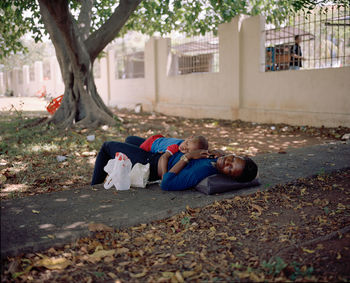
35 172
39 172
295 232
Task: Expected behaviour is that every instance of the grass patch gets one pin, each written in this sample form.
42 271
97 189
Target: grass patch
29 155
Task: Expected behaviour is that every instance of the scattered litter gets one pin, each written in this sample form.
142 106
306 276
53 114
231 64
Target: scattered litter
61 158
345 137
90 137
88 153
105 127
138 108
273 128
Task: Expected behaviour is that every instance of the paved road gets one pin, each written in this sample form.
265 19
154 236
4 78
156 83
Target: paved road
39 222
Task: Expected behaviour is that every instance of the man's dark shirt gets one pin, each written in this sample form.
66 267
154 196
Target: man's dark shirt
296 49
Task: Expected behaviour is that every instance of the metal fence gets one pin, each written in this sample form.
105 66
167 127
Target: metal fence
194 55
324 40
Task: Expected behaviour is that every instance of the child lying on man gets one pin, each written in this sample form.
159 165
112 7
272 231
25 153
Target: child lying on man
170 146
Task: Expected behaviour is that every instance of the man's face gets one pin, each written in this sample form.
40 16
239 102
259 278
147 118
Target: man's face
297 40
230 165
188 145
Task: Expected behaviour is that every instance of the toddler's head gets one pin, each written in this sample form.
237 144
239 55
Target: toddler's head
193 143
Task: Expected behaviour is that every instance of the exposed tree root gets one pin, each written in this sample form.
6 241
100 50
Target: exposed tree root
36 122
328 237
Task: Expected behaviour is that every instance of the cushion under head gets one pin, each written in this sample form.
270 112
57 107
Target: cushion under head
220 183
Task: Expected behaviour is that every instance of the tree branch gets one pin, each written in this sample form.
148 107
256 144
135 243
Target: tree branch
84 19
56 38
109 30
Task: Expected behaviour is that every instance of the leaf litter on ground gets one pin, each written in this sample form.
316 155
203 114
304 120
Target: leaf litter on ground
297 231
29 163
291 238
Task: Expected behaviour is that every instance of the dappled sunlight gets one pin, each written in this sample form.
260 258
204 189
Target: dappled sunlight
47 226
61 199
85 196
38 148
106 206
299 142
29 165
74 225
12 190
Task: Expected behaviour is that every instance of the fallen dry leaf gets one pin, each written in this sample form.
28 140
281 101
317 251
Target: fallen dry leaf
112 275
187 274
219 218
121 251
258 208
98 255
308 251
54 263
232 238
179 277
139 275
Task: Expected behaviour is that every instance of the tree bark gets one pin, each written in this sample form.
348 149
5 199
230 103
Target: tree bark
81 105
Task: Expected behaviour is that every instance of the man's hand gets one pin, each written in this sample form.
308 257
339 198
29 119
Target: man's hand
216 153
197 154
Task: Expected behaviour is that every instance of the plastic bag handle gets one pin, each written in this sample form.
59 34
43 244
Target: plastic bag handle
108 183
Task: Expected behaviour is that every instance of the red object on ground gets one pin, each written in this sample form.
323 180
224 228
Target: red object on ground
54 104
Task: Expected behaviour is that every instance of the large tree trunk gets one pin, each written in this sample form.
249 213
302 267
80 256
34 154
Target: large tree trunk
81 105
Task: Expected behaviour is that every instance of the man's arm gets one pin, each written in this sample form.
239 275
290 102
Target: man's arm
181 176
163 164
189 176
197 154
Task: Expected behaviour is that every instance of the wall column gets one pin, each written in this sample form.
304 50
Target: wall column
229 52
152 73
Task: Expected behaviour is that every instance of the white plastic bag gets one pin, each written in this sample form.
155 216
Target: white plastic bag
139 175
118 170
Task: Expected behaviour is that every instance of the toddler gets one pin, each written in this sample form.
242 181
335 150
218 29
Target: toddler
170 146
160 144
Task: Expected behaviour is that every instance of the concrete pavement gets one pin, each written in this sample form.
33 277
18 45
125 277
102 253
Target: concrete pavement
39 222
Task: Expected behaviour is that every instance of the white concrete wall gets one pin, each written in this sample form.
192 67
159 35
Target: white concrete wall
2 83
102 81
240 90
313 97
199 95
